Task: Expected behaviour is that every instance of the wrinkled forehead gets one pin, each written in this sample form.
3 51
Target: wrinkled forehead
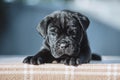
63 19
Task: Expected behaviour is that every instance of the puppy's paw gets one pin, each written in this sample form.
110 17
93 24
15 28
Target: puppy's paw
69 61
81 61
73 61
33 60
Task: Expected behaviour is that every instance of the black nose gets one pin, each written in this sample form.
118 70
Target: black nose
63 45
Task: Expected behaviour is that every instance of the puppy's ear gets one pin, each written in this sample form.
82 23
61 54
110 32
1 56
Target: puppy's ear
42 27
83 20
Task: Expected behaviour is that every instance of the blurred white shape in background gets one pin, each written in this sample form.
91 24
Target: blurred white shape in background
106 11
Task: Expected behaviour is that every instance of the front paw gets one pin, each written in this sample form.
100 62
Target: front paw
33 60
73 61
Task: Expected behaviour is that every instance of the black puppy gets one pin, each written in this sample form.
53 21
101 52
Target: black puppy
65 39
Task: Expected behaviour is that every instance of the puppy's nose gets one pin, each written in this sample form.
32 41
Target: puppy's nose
63 45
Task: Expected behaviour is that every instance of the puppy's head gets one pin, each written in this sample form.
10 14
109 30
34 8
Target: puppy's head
64 31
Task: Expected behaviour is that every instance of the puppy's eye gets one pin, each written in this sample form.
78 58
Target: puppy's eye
73 32
53 32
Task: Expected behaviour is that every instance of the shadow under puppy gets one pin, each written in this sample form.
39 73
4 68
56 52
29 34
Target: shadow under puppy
65 39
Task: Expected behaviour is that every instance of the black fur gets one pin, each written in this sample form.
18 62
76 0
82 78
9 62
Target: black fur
65 39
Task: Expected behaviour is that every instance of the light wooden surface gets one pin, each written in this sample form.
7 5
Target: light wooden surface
60 72
12 68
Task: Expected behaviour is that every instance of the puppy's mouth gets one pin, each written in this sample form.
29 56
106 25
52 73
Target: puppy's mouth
63 49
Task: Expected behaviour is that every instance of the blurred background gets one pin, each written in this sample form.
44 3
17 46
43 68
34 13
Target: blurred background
18 20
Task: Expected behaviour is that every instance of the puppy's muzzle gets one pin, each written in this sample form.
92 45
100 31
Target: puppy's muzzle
64 45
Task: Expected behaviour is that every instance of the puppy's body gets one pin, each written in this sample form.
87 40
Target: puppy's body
65 39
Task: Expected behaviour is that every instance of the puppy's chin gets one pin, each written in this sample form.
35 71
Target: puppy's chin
57 53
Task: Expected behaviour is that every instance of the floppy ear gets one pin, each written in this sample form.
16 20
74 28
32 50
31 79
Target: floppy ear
42 27
83 20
